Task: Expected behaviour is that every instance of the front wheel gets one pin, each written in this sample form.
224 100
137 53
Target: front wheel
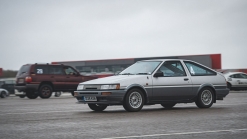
205 98
97 107
45 91
134 100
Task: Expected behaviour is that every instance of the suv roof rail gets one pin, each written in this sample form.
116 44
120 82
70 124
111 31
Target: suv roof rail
41 63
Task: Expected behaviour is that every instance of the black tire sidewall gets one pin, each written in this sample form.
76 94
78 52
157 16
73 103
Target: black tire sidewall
199 102
168 105
97 107
3 94
22 96
31 95
41 94
126 104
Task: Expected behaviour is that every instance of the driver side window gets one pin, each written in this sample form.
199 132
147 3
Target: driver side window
69 71
172 69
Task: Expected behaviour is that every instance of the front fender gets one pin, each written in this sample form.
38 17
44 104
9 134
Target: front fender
146 94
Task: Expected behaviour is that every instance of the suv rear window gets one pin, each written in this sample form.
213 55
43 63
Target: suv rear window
24 69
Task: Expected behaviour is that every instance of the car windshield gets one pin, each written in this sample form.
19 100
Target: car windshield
141 68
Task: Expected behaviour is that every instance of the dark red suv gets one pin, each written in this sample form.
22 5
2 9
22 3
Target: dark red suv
33 80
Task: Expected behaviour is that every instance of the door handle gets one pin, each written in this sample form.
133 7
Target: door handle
186 79
52 76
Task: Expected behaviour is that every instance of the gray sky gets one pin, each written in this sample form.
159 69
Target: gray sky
34 31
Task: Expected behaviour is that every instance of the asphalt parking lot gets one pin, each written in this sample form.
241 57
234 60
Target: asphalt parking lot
62 118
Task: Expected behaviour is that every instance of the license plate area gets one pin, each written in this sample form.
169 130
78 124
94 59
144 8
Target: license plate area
89 98
21 81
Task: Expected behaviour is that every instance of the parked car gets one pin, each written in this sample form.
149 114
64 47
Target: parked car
236 80
8 84
166 82
33 80
4 93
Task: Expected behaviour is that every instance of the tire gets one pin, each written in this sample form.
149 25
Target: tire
97 107
205 98
45 91
58 94
229 86
72 93
22 96
3 94
31 95
134 100
168 105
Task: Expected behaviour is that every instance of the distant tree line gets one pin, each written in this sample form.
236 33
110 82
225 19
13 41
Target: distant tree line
8 74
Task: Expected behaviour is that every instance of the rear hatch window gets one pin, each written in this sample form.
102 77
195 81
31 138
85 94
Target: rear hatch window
24 69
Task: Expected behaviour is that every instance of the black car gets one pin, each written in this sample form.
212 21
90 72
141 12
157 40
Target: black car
8 84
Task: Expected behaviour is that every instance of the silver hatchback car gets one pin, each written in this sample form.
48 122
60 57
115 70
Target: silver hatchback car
162 81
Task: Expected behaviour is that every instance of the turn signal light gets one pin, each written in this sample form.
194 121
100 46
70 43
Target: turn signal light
106 93
28 79
75 94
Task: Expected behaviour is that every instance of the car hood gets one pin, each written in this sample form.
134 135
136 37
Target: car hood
124 80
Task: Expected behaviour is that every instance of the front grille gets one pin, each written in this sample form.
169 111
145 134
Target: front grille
92 87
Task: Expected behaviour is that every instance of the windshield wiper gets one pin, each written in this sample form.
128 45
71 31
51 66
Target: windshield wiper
142 73
127 74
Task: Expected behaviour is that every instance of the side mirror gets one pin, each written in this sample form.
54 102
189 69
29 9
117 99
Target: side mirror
158 74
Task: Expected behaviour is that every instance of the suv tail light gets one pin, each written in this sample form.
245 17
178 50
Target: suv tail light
28 79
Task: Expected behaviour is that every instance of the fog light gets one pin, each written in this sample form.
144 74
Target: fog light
106 93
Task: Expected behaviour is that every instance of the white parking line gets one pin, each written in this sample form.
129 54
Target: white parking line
181 133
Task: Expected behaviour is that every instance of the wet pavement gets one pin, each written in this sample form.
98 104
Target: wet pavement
62 118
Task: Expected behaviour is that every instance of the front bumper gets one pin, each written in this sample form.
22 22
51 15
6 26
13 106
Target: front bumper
116 97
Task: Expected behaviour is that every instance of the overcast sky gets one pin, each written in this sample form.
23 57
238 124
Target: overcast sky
34 31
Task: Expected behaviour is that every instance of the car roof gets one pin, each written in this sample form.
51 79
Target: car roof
42 64
164 60
231 73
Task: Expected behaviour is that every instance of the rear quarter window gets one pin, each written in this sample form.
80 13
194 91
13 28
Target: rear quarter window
198 70
24 69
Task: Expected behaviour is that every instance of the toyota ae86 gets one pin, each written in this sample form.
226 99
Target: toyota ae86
161 81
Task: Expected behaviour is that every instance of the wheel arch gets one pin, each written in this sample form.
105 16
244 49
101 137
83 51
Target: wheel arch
207 86
47 82
138 86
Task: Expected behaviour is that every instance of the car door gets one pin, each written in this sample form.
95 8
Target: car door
243 80
175 84
58 77
239 80
73 78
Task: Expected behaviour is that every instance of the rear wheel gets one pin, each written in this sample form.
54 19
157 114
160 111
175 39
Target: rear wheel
134 100
168 105
205 98
22 96
31 95
72 93
229 86
97 107
45 91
